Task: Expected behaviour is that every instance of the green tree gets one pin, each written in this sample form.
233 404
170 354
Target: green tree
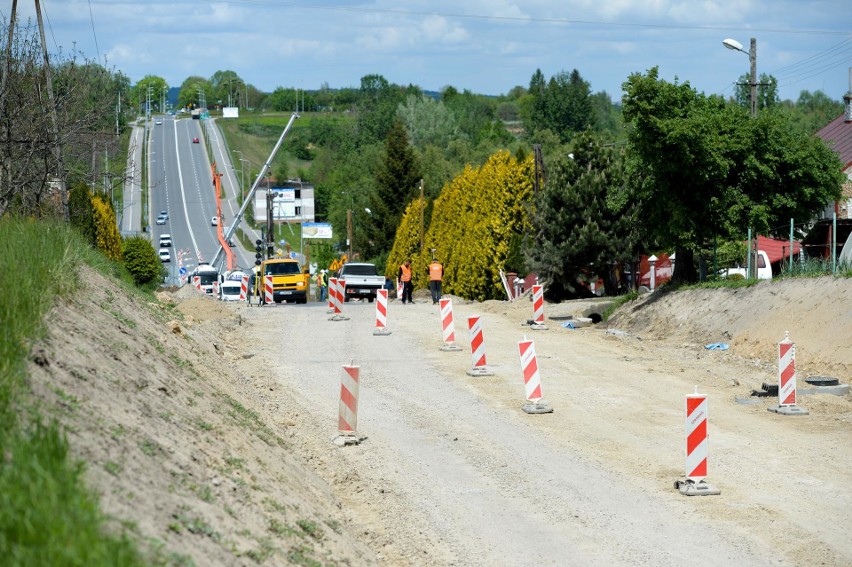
702 168
428 121
107 238
141 260
767 92
814 110
227 88
190 91
562 105
474 223
81 211
150 86
584 221
396 183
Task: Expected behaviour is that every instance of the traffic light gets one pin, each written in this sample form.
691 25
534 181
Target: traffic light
258 256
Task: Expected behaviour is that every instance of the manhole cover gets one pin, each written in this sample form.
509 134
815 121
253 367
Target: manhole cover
822 381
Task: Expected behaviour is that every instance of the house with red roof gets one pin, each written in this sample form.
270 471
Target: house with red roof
837 135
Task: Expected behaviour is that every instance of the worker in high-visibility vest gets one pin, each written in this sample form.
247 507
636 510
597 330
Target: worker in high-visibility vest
436 275
404 276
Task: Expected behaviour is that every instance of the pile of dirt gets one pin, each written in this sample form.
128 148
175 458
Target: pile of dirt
174 442
815 312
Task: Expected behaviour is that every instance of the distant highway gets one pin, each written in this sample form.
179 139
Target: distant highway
181 184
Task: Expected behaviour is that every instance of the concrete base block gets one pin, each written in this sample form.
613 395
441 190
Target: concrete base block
538 327
838 390
383 331
479 371
329 311
537 407
344 440
691 488
788 410
451 347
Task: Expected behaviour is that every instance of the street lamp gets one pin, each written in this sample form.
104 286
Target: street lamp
242 174
752 57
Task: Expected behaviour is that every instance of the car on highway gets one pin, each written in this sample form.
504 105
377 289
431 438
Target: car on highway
214 221
195 140
165 255
161 219
165 241
158 122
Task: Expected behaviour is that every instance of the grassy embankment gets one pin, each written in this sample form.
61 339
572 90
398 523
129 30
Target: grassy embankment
47 514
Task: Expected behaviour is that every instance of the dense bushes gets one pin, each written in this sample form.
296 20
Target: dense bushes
141 260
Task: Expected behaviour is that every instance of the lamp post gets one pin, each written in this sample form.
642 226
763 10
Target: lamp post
242 173
752 58
246 180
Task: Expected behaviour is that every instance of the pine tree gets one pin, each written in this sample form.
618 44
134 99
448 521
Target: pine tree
581 225
396 184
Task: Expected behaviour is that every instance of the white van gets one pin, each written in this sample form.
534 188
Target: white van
165 240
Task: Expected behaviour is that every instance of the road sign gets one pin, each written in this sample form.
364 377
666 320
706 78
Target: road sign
182 271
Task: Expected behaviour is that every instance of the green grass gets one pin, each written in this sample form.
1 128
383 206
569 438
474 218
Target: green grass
47 514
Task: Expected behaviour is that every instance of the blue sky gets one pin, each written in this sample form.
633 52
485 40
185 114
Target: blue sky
486 46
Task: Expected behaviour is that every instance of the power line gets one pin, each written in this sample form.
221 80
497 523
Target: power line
94 35
525 19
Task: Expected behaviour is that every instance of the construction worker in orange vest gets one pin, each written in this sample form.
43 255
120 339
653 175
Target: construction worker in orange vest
405 277
436 274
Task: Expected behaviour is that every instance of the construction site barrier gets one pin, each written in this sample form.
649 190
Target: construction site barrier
244 288
787 379
532 378
697 446
538 307
381 313
268 294
196 281
337 289
448 328
347 418
477 348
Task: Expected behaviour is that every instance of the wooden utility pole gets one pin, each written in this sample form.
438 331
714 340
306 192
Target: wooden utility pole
57 148
349 233
422 214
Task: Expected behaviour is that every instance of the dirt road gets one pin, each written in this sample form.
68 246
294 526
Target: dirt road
453 472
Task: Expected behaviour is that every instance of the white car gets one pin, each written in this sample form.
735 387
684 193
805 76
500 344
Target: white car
165 240
214 221
165 255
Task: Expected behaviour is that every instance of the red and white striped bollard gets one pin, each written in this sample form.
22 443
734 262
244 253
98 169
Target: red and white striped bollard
332 289
381 313
787 379
338 300
448 328
538 308
697 448
477 348
244 288
532 379
347 417
196 281
268 290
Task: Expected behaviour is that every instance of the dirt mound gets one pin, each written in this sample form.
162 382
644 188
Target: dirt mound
817 313
173 437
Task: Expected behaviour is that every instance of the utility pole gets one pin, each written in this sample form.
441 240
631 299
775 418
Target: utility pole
57 148
349 233
422 215
752 57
